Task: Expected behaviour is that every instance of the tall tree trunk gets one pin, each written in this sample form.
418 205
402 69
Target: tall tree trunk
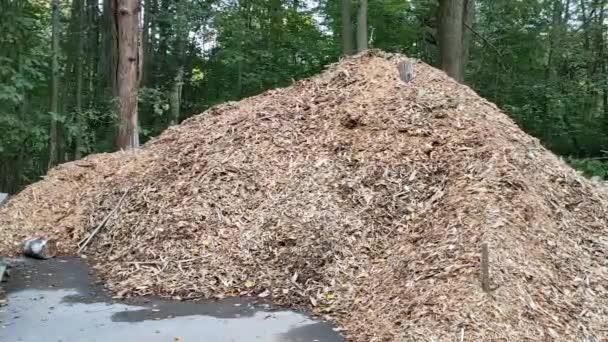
53 134
468 18
239 79
126 14
347 27
245 9
362 26
140 49
275 39
145 41
109 49
79 78
163 33
93 47
602 59
151 42
176 95
450 37
549 73
176 91
605 100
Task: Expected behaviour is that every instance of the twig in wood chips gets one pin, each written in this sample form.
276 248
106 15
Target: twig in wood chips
380 223
102 224
485 268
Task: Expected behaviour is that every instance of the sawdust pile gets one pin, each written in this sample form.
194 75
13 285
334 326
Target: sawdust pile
352 194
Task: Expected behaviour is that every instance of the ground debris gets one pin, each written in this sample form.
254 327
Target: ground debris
351 194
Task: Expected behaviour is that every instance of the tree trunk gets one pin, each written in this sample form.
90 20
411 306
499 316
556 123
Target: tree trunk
602 60
245 9
92 47
239 78
150 50
145 42
53 134
126 15
109 49
163 33
176 96
140 50
79 63
176 92
450 37
362 26
347 28
605 101
468 18
549 77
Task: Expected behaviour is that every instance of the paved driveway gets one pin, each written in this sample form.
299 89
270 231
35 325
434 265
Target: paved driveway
57 300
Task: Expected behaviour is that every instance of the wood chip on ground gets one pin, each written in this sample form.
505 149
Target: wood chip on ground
357 196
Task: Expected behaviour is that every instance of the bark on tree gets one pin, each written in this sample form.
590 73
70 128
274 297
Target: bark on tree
163 33
53 133
599 65
145 42
468 18
347 28
556 65
149 50
92 27
180 50
79 77
450 37
140 51
245 9
554 39
126 14
109 49
362 26
176 96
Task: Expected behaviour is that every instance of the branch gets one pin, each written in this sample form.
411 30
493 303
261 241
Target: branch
482 38
103 223
485 272
597 158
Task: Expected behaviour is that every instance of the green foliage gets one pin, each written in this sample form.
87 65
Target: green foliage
591 167
544 65
22 82
261 46
197 75
155 103
539 65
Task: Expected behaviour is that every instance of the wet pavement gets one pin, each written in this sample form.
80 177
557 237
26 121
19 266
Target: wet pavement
59 300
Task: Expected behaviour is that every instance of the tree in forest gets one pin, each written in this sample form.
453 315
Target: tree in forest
25 59
347 27
544 62
362 26
76 56
450 36
54 110
126 16
181 24
468 19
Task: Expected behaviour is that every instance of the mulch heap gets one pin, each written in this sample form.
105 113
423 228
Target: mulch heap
354 195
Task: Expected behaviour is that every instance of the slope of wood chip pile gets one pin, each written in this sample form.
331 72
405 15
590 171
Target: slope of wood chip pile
352 194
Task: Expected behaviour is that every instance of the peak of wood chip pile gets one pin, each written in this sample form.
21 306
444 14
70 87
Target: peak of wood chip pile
352 194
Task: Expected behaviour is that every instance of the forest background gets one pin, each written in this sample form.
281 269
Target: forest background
64 92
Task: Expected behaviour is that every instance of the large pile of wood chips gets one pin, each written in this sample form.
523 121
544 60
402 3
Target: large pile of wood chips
352 194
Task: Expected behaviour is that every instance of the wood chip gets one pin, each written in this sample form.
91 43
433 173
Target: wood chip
349 183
